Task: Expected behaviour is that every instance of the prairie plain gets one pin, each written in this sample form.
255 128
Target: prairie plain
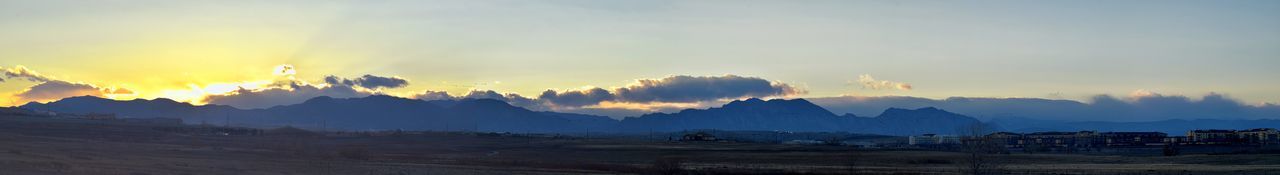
30 145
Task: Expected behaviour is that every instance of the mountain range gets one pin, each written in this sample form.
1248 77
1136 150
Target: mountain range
380 112
799 115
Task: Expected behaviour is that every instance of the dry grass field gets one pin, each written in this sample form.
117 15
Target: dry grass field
45 146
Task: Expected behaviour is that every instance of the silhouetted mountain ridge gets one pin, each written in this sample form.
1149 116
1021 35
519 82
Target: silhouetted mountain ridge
381 112
376 112
798 115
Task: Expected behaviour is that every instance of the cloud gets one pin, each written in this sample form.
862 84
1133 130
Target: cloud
644 96
511 98
587 97
49 88
282 93
1145 107
291 91
28 74
369 81
674 89
58 89
433 95
701 88
871 83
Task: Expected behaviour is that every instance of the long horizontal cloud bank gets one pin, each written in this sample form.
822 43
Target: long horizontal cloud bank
673 89
1151 107
369 81
49 88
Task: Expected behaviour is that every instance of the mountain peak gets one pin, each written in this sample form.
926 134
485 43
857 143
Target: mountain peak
83 98
320 99
163 100
798 103
746 102
929 109
925 111
473 103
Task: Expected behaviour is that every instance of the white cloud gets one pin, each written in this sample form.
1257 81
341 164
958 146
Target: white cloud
871 83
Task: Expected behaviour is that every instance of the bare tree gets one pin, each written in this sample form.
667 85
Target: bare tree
981 153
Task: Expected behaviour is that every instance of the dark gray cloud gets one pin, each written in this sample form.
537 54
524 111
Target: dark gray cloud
674 89
49 88
58 89
368 81
24 73
577 98
701 88
282 93
1099 108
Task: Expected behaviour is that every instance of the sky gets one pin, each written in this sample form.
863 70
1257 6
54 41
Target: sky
639 54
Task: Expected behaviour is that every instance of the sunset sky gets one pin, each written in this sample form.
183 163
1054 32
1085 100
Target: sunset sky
190 50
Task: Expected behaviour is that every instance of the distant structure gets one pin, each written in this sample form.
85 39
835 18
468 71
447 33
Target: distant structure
96 116
1134 138
1091 139
1258 136
804 142
1263 136
933 139
698 136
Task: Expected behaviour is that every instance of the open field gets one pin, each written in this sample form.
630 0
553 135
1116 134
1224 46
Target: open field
47 146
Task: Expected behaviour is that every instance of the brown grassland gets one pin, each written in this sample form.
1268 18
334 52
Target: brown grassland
48 146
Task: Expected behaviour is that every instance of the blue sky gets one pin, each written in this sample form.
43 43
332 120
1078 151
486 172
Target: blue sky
1040 49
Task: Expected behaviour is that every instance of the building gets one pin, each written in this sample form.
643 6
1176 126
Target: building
1091 140
804 142
1134 138
1077 140
1176 140
698 136
933 139
1260 136
1081 139
1009 139
1213 137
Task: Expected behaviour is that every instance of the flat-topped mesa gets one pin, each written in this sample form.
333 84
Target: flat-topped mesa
925 111
792 106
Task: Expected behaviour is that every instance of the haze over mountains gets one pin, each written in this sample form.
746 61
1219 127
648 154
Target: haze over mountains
379 112
1139 107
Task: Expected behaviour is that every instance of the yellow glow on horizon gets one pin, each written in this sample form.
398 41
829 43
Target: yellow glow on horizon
643 106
